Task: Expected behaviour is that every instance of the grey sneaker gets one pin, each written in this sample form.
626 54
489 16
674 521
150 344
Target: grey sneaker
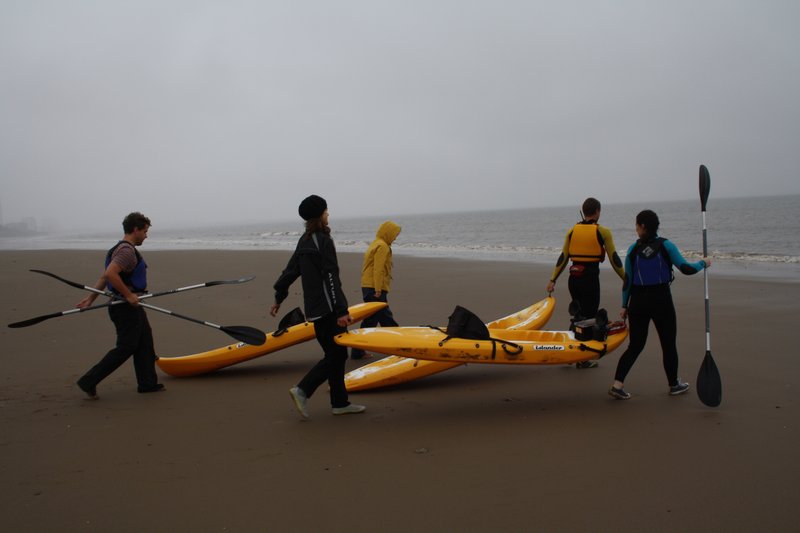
680 388
351 409
619 394
299 398
586 364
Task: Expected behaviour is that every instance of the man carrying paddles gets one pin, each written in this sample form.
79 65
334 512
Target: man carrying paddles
126 276
586 244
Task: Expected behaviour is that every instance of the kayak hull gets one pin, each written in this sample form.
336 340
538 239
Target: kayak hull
537 347
395 369
205 362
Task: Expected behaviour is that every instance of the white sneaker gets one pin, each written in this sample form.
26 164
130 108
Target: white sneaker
299 398
351 409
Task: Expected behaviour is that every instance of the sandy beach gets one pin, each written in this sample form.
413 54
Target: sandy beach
476 448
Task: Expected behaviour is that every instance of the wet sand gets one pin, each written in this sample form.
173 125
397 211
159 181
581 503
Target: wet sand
476 448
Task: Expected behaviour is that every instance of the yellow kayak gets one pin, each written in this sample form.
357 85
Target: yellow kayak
205 362
522 347
395 369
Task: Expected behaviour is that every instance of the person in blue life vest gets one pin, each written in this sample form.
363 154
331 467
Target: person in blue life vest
125 275
314 261
586 244
376 278
646 297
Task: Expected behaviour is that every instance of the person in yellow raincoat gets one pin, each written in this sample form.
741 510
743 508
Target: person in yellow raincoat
376 278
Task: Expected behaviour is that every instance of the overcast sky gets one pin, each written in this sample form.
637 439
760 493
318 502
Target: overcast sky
198 112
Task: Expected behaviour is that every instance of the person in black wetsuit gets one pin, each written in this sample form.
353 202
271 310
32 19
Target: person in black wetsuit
646 297
586 245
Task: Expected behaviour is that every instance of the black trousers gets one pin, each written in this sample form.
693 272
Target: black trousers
586 291
134 338
331 366
383 318
651 304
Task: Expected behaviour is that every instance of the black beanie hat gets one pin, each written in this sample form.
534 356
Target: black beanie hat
312 207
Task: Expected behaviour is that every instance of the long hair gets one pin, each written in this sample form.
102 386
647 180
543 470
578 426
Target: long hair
314 225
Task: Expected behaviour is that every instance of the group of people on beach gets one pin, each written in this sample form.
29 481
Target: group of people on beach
646 273
646 296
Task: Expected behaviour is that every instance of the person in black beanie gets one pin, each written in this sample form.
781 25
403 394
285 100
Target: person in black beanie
314 261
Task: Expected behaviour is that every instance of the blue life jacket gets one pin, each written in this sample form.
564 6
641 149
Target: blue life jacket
651 263
136 280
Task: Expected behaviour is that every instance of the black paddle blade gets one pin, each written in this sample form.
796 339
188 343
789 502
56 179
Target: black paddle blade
705 186
246 334
709 384
230 281
32 321
59 278
42 318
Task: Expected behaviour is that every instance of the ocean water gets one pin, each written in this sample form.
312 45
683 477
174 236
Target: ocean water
745 235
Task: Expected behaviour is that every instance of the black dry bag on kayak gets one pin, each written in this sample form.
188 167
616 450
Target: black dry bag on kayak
464 324
292 318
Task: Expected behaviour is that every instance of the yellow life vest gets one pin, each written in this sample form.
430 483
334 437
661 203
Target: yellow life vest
585 245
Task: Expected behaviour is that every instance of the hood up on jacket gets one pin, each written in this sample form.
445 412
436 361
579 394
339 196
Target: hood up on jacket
388 232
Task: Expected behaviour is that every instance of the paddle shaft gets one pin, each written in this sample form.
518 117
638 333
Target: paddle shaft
42 318
148 295
705 190
154 308
705 283
178 315
241 333
244 334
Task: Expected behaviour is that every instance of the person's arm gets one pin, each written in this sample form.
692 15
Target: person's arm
331 283
686 267
561 263
608 244
89 300
379 268
287 277
627 281
112 274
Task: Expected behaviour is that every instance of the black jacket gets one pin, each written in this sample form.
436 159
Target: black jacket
315 261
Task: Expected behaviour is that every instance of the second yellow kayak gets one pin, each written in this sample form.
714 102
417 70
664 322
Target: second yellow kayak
394 369
522 347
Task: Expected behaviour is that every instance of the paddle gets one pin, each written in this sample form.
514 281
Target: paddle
149 295
36 320
709 384
243 334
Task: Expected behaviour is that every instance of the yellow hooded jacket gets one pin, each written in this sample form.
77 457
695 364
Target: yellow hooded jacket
376 272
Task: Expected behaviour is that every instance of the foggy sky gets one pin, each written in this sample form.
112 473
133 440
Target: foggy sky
198 112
